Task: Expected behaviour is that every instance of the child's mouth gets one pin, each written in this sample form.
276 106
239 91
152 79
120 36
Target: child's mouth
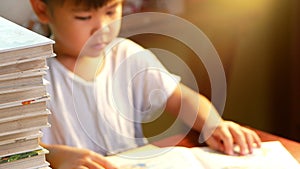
98 46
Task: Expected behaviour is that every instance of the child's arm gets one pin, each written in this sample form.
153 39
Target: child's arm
196 109
66 157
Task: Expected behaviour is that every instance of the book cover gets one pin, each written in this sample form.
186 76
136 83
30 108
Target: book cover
19 143
26 101
19 125
8 96
24 74
23 110
23 155
26 55
21 67
25 160
15 37
20 136
18 44
23 116
26 129
20 83
23 44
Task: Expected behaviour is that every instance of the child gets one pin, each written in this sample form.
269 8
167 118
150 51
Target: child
100 85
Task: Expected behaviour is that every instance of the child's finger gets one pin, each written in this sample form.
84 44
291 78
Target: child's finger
227 140
239 138
101 160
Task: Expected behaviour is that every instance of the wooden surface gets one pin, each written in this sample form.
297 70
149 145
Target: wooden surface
190 140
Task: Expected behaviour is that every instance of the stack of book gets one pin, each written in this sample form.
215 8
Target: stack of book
23 96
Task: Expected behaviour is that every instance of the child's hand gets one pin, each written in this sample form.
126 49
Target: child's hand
228 134
65 157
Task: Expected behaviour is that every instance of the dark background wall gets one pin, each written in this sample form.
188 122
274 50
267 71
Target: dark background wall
258 43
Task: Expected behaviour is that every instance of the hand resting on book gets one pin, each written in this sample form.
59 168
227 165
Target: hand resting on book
229 134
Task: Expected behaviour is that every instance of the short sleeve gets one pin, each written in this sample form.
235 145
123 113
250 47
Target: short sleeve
148 84
140 82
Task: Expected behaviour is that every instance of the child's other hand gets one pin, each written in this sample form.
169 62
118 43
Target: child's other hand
65 157
228 134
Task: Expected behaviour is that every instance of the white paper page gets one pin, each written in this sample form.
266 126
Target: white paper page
272 155
161 158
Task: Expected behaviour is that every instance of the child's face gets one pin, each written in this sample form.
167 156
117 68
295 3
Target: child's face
73 25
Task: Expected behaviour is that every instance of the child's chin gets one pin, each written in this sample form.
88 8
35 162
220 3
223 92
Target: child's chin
94 51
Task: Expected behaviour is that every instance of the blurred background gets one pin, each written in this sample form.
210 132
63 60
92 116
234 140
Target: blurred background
257 40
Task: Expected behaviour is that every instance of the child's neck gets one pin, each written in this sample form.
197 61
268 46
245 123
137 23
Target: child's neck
68 62
86 67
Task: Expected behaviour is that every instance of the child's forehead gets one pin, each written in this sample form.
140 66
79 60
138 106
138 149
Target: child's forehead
90 4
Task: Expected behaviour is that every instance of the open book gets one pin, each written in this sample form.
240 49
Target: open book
272 155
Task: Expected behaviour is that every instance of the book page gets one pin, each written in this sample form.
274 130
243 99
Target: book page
272 155
159 158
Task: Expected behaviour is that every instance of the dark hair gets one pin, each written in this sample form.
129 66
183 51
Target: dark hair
89 4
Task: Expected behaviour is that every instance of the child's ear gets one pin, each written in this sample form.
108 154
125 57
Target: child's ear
40 9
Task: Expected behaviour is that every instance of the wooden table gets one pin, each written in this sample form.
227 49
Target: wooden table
190 140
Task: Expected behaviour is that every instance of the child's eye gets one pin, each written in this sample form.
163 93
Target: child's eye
83 17
110 13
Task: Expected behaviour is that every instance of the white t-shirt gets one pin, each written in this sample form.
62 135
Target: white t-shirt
105 115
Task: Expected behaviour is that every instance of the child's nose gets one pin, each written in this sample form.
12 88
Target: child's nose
101 26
